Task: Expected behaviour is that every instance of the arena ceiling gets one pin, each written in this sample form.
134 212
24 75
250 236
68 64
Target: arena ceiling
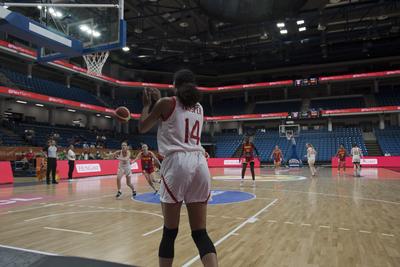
165 35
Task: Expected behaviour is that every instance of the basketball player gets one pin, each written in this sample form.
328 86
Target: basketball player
311 155
184 171
248 149
124 168
147 159
341 154
277 156
356 153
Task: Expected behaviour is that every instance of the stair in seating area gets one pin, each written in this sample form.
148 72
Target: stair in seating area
373 148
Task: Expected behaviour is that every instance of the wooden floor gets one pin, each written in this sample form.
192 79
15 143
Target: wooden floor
327 221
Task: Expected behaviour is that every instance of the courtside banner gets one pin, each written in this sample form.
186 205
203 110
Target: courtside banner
89 168
375 162
228 163
6 176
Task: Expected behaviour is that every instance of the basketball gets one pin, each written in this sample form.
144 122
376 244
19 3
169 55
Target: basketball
123 114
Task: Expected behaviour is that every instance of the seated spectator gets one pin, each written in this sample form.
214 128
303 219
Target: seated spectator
92 156
86 155
85 145
30 156
98 155
387 154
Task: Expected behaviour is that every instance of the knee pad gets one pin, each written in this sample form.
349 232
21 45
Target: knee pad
203 242
167 244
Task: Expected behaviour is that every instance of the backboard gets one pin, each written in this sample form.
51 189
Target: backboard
289 130
65 29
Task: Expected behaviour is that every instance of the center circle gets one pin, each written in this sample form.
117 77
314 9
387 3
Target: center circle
218 197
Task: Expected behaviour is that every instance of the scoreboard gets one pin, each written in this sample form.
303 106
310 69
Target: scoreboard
306 82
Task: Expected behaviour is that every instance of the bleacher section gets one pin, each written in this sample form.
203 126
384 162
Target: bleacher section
277 107
226 144
389 140
133 104
8 139
388 96
229 107
50 88
338 103
326 143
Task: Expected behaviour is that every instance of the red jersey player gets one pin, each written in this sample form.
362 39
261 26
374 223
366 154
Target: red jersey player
248 155
147 159
341 154
277 157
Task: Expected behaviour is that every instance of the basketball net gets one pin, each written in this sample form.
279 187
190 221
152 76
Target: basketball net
95 62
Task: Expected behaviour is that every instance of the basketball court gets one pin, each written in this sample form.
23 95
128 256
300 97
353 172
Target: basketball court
287 219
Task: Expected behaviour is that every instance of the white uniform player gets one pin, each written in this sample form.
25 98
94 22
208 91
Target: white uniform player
184 171
356 153
124 168
311 155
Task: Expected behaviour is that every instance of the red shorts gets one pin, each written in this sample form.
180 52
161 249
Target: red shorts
148 171
277 160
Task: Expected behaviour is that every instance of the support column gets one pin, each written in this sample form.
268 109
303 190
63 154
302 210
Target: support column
286 92
376 86
68 81
30 68
98 90
381 122
52 116
246 96
240 128
211 99
212 130
330 128
113 93
398 119
126 128
329 89
89 121
3 103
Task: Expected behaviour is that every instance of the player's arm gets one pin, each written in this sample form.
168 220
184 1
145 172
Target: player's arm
139 156
161 109
155 159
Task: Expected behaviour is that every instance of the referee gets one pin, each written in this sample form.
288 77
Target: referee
51 151
71 156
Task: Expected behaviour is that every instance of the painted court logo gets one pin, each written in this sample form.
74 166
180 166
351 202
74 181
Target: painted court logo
217 197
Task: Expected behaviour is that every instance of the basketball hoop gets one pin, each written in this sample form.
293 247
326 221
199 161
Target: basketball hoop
95 62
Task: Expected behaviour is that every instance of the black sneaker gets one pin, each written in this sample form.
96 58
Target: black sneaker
133 195
119 194
47 181
156 192
55 182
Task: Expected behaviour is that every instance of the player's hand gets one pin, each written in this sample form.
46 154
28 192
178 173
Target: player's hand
155 94
146 98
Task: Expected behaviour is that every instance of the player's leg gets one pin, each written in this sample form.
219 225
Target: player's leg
171 213
244 166
129 183
253 175
198 223
119 178
149 180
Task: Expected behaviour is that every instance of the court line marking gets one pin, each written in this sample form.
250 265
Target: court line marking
233 232
365 232
305 224
387 235
325 226
344 229
29 250
68 230
54 204
328 195
153 231
90 211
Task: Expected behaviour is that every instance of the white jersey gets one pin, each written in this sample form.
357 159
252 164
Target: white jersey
311 153
357 154
181 131
123 161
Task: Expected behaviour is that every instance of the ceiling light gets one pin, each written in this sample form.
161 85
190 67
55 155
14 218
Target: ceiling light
126 48
264 36
96 34
39 105
108 117
98 115
58 14
216 42
302 29
138 30
300 22
184 24
284 31
143 56
22 102
39 7
6 7
51 10
280 24
71 110
84 27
